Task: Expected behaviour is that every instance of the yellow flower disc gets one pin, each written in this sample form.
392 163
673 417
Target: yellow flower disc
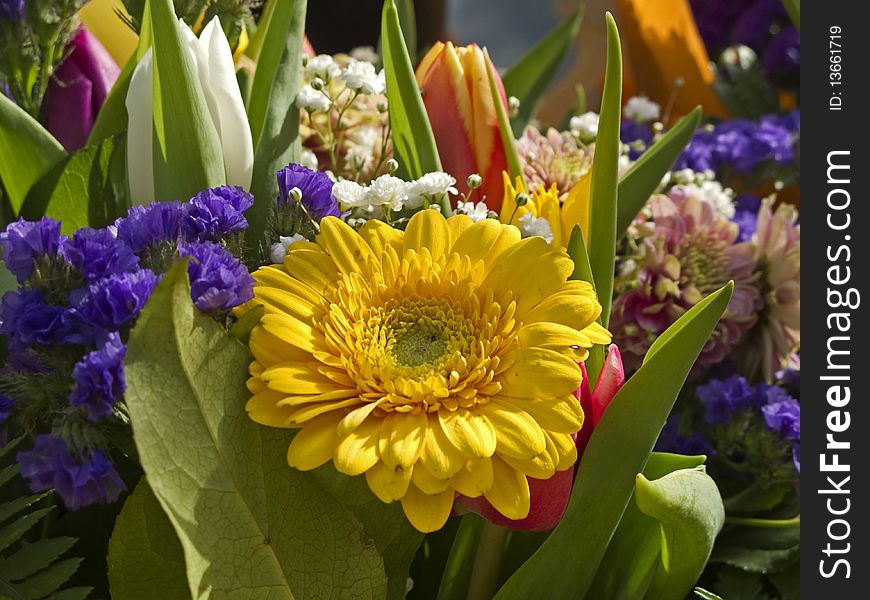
437 360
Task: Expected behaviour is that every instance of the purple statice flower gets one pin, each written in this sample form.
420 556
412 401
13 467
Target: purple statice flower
27 320
722 398
11 10
671 440
215 213
98 253
99 378
746 215
90 479
25 241
783 415
150 225
782 58
637 136
753 26
218 280
715 20
113 301
316 188
790 376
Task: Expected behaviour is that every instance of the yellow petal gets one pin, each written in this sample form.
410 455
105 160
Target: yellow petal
356 417
387 483
427 229
357 452
575 305
293 331
457 224
263 409
575 211
566 448
542 466
518 434
404 434
269 349
314 444
553 336
295 378
281 301
470 431
277 277
485 240
524 378
378 235
311 266
474 478
509 493
561 415
439 455
305 412
426 512
347 249
426 481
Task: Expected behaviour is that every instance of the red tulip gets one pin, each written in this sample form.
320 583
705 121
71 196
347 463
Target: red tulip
78 88
459 102
549 497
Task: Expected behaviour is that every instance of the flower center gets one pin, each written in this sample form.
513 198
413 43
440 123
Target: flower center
704 265
418 345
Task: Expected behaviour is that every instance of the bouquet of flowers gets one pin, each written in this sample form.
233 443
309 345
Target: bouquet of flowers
285 324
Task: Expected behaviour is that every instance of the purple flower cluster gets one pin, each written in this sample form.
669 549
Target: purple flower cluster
11 10
316 189
637 136
79 481
743 146
91 288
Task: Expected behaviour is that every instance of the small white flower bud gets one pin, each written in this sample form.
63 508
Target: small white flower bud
474 181
392 166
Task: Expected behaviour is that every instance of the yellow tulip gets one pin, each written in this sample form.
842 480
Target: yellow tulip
102 21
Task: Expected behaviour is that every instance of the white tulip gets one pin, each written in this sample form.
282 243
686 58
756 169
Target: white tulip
213 59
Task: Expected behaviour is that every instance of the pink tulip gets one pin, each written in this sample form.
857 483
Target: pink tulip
459 102
78 88
549 497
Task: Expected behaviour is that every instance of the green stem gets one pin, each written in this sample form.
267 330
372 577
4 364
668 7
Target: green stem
44 73
487 562
765 523
457 572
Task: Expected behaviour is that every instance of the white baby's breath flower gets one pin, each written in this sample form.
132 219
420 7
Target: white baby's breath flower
359 157
279 248
585 126
364 53
351 194
532 226
388 190
311 99
308 159
429 186
641 109
711 192
322 66
361 76
476 212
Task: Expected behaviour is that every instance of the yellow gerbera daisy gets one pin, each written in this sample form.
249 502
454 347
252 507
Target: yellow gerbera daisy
436 360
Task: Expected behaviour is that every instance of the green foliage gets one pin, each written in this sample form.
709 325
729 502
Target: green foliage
112 117
413 141
32 569
605 165
528 79
89 187
645 175
793 8
245 520
144 552
407 20
617 451
515 166
274 124
583 272
27 151
742 84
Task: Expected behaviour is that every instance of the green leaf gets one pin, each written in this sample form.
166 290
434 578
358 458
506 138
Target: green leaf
76 593
13 507
34 557
187 153
528 79
583 272
274 123
515 166
12 533
7 280
689 508
247 522
112 118
645 175
793 8
705 594
408 22
605 174
413 141
241 329
144 552
50 579
617 451
27 151
87 188
457 572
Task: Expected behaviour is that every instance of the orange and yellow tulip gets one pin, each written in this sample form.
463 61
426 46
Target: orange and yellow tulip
459 102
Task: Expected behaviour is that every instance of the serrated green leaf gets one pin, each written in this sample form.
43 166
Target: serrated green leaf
733 584
12 533
605 175
144 552
50 579
87 188
413 141
617 451
528 79
515 166
187 152
13 507
244 518
689 508
32 558
645 175
755 560
273 116
9 472
27 151
12 469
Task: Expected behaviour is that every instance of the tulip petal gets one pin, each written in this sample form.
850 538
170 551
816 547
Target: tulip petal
140 131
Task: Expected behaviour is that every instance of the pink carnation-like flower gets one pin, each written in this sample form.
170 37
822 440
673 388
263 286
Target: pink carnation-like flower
554 158
691 254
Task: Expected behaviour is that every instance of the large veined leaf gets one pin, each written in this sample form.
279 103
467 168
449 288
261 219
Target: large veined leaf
605 174
528 79
617 451
413 141
645 175
247 522
187 155
27 151
272 114
144 552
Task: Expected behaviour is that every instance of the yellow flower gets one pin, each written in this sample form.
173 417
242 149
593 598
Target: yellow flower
436 360
544 203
